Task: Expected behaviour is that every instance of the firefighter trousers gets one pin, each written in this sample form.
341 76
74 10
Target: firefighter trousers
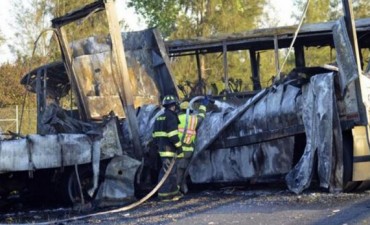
183 164
169 189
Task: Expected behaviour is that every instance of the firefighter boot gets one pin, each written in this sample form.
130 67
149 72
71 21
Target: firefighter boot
173 198
184 188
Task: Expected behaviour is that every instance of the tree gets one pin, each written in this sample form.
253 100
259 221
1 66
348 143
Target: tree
29 20
159 13
206 17
11 91
180 19
318 12
93 25
34 16
361 8
2 39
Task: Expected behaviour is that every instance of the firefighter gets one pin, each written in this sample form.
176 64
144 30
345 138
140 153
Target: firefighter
192 122
166 139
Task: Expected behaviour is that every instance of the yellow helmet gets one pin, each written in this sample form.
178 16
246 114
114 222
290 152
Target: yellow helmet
184 105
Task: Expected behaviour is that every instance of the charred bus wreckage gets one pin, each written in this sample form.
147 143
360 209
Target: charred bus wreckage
315 120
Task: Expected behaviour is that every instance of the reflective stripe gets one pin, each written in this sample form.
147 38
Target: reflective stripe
160 134
173 133
192 126
202 111
181 155
202 108
178 144
187 148
169 97
187 131
169 193
165 134
167 154
191 129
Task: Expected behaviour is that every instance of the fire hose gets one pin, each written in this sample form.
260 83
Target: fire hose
146 197
122 209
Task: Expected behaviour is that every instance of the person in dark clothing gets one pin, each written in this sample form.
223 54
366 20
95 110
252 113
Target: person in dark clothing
166 139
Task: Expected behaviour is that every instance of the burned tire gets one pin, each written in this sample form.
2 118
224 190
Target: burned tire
73 187
348 184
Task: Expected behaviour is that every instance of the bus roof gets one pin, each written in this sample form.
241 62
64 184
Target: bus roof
319 34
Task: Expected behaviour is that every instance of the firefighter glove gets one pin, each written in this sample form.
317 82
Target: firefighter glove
205 101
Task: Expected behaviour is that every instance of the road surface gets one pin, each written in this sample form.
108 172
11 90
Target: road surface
256 204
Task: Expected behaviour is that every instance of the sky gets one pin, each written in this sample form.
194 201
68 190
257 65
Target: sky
283 10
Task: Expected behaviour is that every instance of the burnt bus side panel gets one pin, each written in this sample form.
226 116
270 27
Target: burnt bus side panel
56 150
269 125
227 160
356 89
348 72
149 76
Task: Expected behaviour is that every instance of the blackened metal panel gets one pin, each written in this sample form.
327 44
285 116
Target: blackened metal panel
78 14
44 151
110 142
118 186
325 100
14 155
345 58
149 50
52 151
243 163
146 116
318 117
273 108
273 157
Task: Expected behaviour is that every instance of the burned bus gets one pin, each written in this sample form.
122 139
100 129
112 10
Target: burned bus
96 110
311 121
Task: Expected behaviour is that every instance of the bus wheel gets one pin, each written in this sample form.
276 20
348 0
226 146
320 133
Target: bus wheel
85 178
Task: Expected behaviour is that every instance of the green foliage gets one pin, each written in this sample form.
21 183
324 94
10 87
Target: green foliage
31 17
29 20
34 16
158 13
335 9
11 91
318 12
179 19
327 10
184 19
361 8
93 25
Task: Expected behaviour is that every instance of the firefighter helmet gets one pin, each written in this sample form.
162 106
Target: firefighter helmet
169 100
184 105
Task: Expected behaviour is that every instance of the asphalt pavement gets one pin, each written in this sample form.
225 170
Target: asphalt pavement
254 205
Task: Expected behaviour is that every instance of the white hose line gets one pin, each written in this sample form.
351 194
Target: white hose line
122 209
295 37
